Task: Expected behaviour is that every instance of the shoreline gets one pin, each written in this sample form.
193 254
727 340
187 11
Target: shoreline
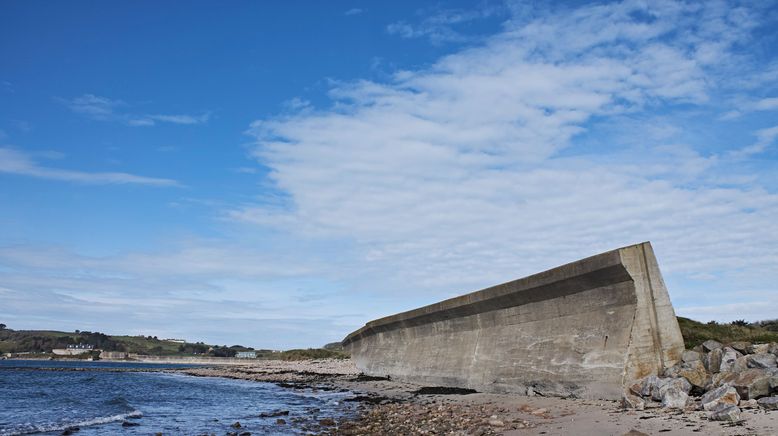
392 407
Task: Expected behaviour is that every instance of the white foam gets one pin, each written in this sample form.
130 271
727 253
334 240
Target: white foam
30 428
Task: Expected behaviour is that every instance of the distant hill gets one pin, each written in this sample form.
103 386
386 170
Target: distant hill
43 341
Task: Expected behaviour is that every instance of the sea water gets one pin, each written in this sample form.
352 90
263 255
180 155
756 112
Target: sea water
98 399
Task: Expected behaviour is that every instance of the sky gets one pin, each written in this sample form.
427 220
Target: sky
276 174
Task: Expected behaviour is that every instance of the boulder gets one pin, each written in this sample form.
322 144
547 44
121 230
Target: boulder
649 387
724 412
695 373
713 360
773 348
759 349
728 358
711 345
722 395
769 403
753 383
629 401
774 384
761 360
721 379
691 356
741 346
741 364
748 404
674 393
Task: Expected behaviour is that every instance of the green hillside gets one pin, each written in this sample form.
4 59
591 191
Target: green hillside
43 341
695 332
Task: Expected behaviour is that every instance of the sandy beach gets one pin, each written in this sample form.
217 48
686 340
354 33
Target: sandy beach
389 407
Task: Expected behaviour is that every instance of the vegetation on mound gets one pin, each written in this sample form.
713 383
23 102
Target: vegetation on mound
695 332
311 353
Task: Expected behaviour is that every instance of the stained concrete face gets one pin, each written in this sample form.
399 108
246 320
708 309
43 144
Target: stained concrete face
585 329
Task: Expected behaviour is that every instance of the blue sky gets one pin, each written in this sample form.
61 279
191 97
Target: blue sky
275 175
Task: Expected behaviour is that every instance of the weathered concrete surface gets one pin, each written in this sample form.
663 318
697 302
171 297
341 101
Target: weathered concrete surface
585 329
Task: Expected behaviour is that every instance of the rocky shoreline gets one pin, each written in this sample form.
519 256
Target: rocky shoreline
390 407
716 389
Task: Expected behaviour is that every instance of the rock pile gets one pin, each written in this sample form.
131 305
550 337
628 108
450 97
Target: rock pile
720 380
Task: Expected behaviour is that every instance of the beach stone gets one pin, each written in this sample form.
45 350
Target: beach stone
713 360
629 401
650 387
130 424
761 360
280 421
675 393
728 359
691 356
741 364
634 432
326 422
769 403
674 399
695 373
741 346
759 349
748 404
711 345
722 395
724 412
496 423
721 379
245 433
753 383
235 425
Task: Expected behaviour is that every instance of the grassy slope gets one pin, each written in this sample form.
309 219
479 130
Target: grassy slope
695 333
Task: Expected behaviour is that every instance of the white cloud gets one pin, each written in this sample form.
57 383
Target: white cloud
471 172
16 162
439 26
354 11
764 139
105 109
202 289
765 104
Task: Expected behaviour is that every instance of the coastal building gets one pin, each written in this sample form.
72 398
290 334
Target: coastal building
246 355
113 355
177 341
73 350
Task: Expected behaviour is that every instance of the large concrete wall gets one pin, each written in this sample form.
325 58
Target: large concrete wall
584 329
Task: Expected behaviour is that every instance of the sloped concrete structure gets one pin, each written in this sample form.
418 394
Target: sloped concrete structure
585 329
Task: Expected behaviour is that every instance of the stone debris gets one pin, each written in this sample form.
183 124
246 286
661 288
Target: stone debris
713 360
728 359
748 404
722 395
691 356
741 346
752 383
719 379
761 360
769 403
630 401
711 345
724 412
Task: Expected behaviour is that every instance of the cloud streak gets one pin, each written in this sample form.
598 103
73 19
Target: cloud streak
18 163
104 109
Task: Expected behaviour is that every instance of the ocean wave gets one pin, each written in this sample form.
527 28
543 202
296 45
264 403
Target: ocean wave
28 428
